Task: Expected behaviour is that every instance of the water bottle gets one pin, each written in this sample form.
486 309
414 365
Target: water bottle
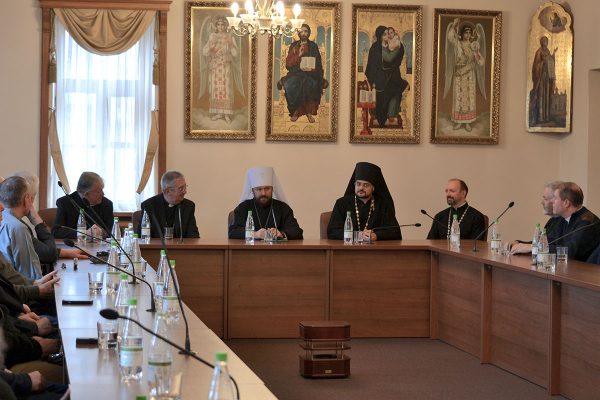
534 243
81 227
348 229
543 248
221 385
249 229
122 303
170 302
131 351
126 246
146 228
163 266
455 233
116 231
136 256
495 242
160 360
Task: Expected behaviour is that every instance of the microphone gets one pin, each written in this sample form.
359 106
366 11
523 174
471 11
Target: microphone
83 233
162 240
572 232
380 228
475 250
433 219
111 314
71 243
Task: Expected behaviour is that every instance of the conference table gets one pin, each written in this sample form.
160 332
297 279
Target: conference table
540 325
94 373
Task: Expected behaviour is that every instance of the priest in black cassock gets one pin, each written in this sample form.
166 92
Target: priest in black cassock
264 196
470 220
370 204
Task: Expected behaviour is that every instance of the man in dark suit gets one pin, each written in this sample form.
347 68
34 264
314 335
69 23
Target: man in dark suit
171 209
90 193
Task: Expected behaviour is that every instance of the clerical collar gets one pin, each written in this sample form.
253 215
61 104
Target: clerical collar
461 206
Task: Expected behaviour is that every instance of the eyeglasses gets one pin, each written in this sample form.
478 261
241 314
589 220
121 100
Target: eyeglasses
180 189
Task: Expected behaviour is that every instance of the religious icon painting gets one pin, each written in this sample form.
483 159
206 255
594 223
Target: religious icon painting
220 75
302 92
549 70
466 76
386 74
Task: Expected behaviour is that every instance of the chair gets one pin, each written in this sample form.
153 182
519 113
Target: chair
324 222
136 217
229 218
48 215
486 221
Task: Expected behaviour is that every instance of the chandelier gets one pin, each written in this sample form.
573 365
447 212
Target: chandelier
264 16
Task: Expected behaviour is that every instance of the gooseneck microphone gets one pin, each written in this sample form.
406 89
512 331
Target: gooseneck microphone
433 219
98 221
111 314
175 284
475 250
573 231
71 243
383 228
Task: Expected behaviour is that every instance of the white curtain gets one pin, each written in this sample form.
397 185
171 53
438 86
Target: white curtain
103 117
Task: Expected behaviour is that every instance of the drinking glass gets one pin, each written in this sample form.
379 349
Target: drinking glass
107 334
169 231
95 281
562 254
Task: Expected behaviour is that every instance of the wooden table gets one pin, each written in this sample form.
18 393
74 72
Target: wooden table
541 326
94 374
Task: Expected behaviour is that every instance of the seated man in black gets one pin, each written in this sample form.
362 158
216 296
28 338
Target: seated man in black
370 204
263 195
470 220
568 204
171 209
90 193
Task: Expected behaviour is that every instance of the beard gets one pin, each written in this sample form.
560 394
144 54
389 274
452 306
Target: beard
263 200
450 201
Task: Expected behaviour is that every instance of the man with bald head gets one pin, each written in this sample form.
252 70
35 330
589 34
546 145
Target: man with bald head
470 220
263 195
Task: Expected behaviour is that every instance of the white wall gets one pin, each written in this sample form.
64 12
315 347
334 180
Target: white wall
315 174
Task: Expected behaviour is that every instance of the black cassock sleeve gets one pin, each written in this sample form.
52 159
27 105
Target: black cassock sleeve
237 228
335 229
387 221
288 224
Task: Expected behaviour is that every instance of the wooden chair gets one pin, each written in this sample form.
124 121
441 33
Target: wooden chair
48 215
324 222
136 218
486 220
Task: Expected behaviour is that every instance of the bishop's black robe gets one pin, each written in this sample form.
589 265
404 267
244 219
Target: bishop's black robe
471 225
383 216
582 243
263 218
160 212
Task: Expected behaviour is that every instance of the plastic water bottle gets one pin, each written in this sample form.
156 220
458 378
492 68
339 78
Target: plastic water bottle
221 385
348 229
131 350
543 248
81 227
122 303
160 360
455 233
126 245
163 266
534 243
170 300
116 230
495 242
146 228
249 229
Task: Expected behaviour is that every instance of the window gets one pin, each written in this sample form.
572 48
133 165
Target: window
103 114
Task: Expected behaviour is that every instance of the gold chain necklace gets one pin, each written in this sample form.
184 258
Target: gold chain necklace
358 214
459 221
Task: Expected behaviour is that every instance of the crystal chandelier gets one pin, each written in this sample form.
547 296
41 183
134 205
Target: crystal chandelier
264 16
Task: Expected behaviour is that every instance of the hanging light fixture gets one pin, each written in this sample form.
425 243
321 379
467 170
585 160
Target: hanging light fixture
264 16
